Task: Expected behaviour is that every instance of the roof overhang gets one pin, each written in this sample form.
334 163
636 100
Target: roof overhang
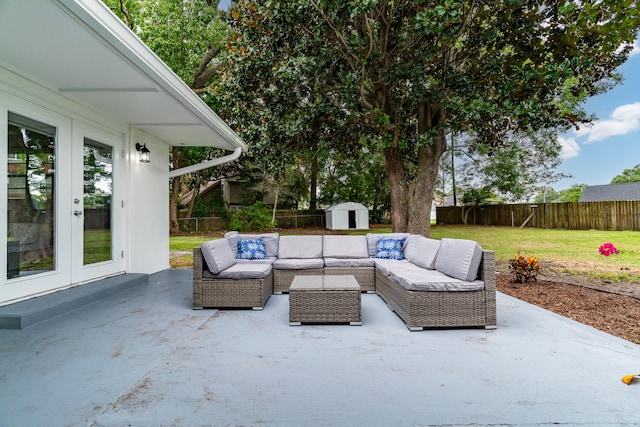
82 51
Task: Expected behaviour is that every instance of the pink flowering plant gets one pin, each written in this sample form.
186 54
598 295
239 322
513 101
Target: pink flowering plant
608 249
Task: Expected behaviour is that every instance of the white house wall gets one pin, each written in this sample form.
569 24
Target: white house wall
149 206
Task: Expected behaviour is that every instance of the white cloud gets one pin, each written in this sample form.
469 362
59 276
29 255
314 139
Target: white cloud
570 147
636 48
624 119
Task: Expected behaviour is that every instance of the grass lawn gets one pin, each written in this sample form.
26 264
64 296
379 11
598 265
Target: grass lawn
561 251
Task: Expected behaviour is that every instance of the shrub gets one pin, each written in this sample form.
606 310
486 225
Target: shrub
256 217
524 269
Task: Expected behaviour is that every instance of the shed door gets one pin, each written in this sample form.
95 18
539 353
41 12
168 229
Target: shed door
352 219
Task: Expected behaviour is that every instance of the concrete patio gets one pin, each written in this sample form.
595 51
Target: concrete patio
143 357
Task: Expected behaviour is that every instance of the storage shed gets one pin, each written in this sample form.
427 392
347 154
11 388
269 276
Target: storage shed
346 216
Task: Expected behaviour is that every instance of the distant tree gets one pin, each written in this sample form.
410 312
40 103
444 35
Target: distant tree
571 194
628 175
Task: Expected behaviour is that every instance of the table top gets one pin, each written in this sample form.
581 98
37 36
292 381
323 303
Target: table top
328 282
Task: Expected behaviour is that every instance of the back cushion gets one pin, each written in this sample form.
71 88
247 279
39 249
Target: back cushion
421 251
218 255
233 238
372 240
270 241
344 247
300 247
459 258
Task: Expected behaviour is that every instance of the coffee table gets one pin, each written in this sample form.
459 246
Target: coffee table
324 299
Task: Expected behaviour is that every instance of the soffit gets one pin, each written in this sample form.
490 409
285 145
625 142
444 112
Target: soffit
80 50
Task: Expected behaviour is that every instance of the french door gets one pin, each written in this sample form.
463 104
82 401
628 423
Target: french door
62 201
96 206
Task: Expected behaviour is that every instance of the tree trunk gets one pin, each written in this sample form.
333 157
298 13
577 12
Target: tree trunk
313 198
397 187
174 225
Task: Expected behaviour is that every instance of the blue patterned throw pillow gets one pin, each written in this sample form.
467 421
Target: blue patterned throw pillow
389 248
252 249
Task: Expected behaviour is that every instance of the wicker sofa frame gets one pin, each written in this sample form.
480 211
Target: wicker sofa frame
418 309
228 293
421 310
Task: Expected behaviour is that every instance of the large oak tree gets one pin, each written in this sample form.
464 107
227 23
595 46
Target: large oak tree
409 71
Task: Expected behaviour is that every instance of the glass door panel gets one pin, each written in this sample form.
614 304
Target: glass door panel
31 179
97 201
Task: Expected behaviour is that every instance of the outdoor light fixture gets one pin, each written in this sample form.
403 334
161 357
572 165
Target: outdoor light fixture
145 154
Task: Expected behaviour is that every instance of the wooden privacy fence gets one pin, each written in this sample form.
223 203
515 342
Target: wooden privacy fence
617 215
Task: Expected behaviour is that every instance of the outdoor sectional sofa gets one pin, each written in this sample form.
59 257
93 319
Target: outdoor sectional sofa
430 284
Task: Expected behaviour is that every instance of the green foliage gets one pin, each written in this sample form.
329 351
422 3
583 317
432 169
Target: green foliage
256 217
571 194
405 73
628 175
215 206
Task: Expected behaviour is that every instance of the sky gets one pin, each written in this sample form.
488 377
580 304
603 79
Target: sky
596 153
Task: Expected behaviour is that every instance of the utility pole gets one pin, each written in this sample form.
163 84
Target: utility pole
453 171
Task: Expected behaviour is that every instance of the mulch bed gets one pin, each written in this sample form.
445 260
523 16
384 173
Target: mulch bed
615 314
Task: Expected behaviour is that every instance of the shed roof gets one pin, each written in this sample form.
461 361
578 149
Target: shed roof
611 192
82 51
348 206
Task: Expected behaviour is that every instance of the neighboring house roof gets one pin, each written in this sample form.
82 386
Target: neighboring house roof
81 50
204 189
611 192
348 206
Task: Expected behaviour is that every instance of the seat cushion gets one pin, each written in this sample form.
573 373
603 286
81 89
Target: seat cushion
422 251
344 247
372 240
433 280
217 255
386 265
459 258
267 260
241 271
298 263
349 262
300 247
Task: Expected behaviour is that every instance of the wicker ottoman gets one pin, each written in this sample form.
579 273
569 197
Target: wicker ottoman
324 299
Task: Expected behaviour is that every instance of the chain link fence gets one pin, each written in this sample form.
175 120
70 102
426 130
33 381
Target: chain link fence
284 219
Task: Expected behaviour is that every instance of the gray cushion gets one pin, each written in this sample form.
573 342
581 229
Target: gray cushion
233 238
298 263
372 240
386 266
349 262
421 250
459 258
218 255
267 260
300 247
270 241
241 271
344 247
431 280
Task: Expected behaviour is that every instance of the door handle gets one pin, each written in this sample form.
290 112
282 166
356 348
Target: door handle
77 213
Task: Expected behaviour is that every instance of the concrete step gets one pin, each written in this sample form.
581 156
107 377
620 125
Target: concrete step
35 310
